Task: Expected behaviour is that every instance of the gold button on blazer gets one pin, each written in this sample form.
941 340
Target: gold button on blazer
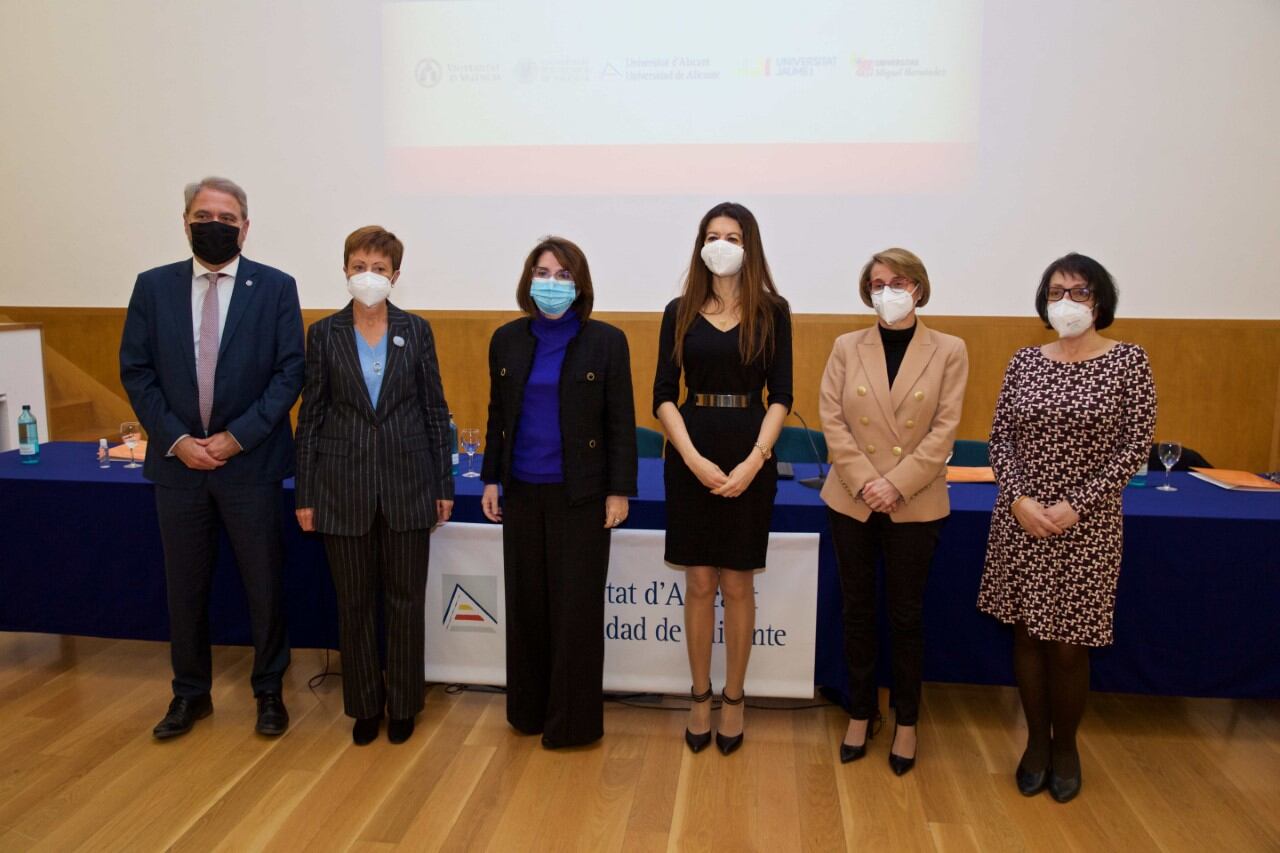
917 418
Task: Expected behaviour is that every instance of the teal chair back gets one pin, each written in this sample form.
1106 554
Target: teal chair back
648 443
794 445
970 454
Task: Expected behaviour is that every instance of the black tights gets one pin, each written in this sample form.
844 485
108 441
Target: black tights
1053 682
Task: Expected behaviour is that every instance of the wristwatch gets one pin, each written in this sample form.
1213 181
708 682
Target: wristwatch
764 451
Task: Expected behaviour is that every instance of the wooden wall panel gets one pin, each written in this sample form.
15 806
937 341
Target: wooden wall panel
1218 380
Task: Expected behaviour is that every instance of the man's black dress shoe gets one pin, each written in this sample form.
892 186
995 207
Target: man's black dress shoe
1030 784
182 715
273 719
850 753
365 731
1064 788
399 731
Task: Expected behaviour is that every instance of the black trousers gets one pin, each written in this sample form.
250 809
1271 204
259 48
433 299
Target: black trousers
908 550
556 559
189 523
393 562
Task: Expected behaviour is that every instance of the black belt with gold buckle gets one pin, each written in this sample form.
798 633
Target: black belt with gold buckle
722 401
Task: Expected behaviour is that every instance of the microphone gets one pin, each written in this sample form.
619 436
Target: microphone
812 482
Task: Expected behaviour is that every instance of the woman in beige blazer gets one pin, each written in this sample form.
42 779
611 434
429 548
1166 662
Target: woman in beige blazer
890 404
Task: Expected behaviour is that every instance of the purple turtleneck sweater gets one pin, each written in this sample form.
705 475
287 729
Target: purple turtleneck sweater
537 455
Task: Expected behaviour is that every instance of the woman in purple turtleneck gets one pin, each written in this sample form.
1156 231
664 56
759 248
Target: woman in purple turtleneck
561 443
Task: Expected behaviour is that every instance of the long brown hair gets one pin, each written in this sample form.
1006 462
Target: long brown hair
758 299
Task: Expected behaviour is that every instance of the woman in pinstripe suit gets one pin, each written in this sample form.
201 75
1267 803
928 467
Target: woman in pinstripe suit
374 478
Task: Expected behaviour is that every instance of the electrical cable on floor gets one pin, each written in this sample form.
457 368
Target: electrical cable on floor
316 680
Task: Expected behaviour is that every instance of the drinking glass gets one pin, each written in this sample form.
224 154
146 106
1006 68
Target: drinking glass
1170 452
470 444
131 434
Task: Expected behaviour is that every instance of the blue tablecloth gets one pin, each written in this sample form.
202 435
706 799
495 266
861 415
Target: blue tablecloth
1196 613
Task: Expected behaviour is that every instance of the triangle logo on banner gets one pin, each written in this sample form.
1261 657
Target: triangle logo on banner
464 613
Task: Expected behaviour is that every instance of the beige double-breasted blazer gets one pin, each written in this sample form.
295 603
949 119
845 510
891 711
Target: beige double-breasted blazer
905 434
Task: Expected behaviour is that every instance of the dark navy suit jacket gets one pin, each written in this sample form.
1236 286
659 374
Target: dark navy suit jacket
260 371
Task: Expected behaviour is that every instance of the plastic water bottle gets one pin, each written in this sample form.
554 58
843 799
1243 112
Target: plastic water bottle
104 454
453 442
1139 479
28 437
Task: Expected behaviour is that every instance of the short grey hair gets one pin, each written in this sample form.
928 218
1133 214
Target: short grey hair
222 185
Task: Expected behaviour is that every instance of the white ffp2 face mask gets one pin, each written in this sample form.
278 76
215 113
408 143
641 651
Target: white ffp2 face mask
369 288
892 306
1070 319
722 257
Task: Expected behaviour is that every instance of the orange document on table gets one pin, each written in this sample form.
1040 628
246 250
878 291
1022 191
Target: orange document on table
965 474
121 453
1242 481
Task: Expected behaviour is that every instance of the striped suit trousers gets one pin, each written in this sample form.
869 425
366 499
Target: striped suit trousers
395 563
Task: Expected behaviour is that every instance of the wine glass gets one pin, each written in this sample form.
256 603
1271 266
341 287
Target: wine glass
470 444
131 434
1170 452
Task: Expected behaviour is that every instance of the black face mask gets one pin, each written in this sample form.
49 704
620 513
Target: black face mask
214 242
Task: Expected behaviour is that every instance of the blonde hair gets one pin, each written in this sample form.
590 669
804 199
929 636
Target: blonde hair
902 263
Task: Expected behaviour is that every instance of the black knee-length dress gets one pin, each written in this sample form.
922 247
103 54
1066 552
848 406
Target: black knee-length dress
704 529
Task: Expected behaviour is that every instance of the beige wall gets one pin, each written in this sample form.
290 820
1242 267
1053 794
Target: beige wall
1218 380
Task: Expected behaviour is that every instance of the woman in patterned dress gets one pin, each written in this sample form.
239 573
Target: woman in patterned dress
1073 423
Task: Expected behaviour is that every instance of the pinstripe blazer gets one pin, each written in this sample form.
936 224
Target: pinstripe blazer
352 456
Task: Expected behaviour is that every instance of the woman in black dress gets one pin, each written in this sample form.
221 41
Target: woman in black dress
730 333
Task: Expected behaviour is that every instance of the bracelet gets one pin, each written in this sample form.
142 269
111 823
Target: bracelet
1015 501
763 451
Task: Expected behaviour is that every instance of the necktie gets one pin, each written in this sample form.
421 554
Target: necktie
207 349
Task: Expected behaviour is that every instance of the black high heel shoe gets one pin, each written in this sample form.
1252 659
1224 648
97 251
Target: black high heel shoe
697 743
897 763
850 753
726 745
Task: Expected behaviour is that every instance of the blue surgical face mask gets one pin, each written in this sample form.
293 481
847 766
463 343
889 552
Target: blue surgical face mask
551 296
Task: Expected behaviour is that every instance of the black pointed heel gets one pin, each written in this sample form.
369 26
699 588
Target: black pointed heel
850 753
697 743
727 745
897 763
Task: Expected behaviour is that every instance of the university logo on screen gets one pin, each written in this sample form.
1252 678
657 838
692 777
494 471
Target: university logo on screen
470 607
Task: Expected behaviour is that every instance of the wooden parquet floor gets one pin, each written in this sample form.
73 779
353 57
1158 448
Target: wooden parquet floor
80 771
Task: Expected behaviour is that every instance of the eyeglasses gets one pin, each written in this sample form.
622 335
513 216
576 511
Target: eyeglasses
1078 294
561 275
896 285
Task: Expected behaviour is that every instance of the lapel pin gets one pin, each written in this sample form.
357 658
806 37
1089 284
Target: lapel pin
249 283
398 341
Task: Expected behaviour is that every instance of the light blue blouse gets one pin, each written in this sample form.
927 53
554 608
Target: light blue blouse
373 363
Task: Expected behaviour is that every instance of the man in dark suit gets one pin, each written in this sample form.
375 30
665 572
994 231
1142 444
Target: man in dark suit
212 360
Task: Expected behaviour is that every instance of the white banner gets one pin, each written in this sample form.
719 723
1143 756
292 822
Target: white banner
644 614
